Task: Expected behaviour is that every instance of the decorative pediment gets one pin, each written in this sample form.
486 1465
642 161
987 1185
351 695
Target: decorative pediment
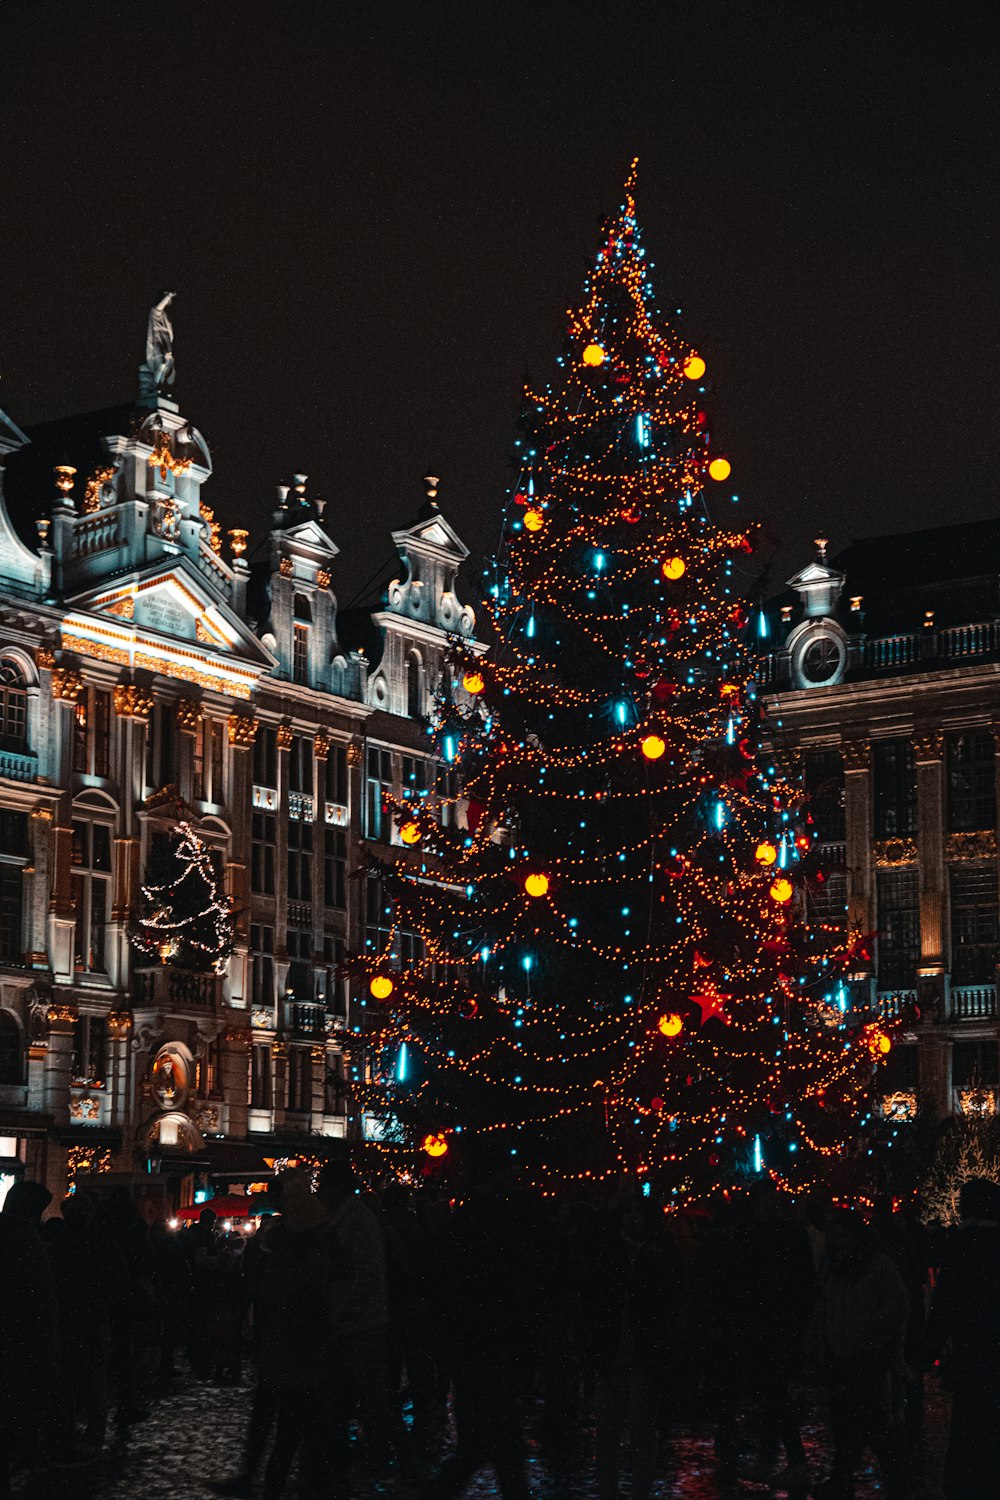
310 536
167 621
434 531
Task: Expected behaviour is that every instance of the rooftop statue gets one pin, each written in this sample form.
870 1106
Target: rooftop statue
158 371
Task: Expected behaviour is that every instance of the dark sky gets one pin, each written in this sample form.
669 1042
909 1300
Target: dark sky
375 217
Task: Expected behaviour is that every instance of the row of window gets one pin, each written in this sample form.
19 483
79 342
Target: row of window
304 982
298 1091
970 786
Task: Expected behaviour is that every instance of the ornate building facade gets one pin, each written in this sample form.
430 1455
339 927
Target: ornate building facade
883 687
149 672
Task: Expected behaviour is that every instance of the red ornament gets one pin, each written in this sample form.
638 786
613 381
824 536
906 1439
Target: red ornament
474 814
663 691
520 499
656 1103
632 515
713 1160
623 377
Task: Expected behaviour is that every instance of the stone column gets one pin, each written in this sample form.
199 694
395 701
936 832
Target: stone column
934 1086
279 1081
189 723
242 731
119 1034
37 888
319 1069
236 1080
927 751
59 1061
62 918
857 836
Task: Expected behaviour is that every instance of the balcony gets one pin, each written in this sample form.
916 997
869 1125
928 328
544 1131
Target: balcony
166 988
18 767
306 1018
891 1004
973 1002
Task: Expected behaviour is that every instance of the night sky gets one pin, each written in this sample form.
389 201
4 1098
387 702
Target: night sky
375 221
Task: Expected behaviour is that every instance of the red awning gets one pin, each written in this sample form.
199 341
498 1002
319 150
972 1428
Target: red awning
230 1206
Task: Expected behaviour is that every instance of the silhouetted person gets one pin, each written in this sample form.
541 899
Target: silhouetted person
28 1332
359 1305
133 1306
964 1329
489 1314
858 1334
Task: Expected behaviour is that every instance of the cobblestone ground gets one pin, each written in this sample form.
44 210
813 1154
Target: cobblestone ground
195 1433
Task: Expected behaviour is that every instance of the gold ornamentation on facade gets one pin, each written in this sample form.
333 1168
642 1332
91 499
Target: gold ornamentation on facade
183 673
86 1159
238 537
208 1118
215 530
162 457
242 731
124 608
285 736
285 567
132 702
120 1022
979 845
977 1100
279 1049
857 755
261 1019
64 480
928 746
354 755
203 634
188 716
45 658
42 814
94 486
889 853
67 684
318 1053
85 1109
322 579
321 746
61 1015
237 1038
902 1105
96 649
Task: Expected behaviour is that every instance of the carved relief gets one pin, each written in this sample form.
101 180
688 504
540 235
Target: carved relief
354 755
188 716
67 685
285 567
857 755
321 746
928 745
284 736
322 579
45 658
120 1023
132 702
889 853
318 1054
242 731
279 1049
61 1015
980 845
85 1109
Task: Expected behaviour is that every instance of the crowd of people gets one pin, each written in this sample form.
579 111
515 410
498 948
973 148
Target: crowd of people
603 1327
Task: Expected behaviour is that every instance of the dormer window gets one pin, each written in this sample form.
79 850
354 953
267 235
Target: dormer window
303 608
414 687
300 638
13 708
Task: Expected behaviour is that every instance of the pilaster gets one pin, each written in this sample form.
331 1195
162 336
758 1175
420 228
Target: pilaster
858 823
59 1061
927 753
934 1088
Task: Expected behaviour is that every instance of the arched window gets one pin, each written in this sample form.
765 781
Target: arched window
10 1048
303 608
414 693
13 707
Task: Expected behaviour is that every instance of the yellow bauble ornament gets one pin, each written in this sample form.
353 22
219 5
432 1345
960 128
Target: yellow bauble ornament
381 986
781 890
533 520
473 682
410 833
537 884
694 367
435 1145
593 356
720 469
674 568
653 746
765 854
670 1025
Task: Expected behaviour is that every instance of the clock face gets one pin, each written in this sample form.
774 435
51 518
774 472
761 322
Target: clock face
822 659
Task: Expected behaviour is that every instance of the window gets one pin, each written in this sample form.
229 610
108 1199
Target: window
975 925
13 708
92 732
898 928
208 761
300 1079
414 687
335 1086
90 1050
161 747
300 983
300 765
828 898
264 833
377 822
13 858
824 785
414 775
335 868
260 1076
265 756
336 776
11 1065
261 965
446 786
300 654
91 887
972 794
300 845
379 917
975 1062
895 788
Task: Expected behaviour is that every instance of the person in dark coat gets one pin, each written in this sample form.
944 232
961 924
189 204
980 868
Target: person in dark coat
963 1330
28 1334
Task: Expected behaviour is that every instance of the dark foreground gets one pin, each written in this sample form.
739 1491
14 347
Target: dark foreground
195 1433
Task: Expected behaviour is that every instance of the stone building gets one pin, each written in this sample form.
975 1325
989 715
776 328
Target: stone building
148 672
882 683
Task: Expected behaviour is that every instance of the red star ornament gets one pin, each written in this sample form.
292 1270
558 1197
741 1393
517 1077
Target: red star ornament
712 1006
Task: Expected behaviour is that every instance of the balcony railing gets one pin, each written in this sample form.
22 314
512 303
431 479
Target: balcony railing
308 1018
894 1003
18 766
973 1002
890 653
167 987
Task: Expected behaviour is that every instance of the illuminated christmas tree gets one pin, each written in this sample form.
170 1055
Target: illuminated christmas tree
185 917
605 963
